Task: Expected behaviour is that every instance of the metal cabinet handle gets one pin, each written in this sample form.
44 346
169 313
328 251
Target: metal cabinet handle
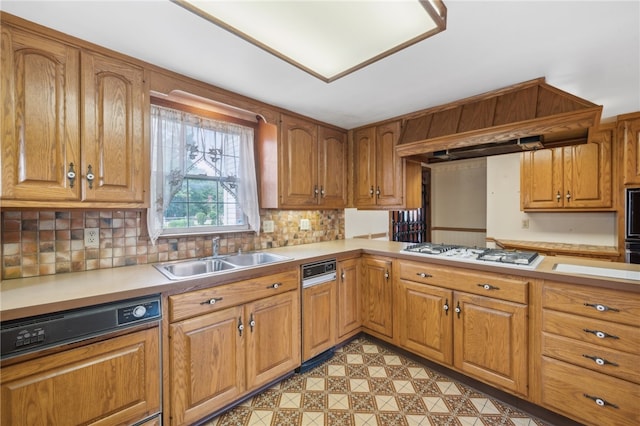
274 286
568 196
600 334
458 309
90 176
71 175
252 322
558 196
601 402
240 326
600 361
211 301
488 286
423 275
446 307
601 308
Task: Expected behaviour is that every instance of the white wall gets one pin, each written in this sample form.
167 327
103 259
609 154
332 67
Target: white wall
504 218
365 222
458 200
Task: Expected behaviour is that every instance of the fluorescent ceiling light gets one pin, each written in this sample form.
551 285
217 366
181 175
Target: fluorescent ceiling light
326 38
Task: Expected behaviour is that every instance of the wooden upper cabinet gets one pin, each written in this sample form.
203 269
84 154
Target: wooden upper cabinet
383 180
628 131
569 178
113 135
309 170
65 110
40 117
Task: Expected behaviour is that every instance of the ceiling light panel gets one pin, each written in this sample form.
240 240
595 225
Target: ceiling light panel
328 39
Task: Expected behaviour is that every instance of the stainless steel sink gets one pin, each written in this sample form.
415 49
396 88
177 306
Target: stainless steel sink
254 259
182 269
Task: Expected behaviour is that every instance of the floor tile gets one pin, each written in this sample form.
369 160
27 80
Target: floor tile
369 385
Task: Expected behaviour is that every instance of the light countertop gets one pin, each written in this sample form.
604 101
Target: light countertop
44 294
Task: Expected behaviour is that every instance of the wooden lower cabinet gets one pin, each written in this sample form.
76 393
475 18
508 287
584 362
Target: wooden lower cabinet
481 336
219 356
377 295
349 312
115 381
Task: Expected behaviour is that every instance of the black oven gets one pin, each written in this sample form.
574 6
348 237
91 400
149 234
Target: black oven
632 225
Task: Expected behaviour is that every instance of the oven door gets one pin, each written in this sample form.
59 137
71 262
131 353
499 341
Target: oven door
632 214
632 252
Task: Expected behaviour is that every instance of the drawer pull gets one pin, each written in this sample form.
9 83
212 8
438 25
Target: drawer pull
274 286
601 308
600 334
601 402
423 275
488 287
211 301
599 361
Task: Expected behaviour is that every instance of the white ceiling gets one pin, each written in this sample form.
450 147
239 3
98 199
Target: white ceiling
588 48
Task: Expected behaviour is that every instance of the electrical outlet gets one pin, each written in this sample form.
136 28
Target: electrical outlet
305 225
92 237
525 223
267 226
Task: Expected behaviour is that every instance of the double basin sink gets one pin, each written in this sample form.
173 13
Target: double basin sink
191 268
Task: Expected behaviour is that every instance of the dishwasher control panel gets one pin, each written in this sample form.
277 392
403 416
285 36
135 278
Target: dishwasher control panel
59 328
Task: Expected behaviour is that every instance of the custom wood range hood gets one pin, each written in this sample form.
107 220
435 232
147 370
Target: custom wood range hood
524 116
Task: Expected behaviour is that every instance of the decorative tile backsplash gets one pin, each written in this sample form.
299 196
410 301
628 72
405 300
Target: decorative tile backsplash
52 242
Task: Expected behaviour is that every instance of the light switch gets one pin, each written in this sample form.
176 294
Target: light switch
305 225
267 226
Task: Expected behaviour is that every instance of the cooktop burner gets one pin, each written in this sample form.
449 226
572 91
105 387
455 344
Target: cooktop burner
512 257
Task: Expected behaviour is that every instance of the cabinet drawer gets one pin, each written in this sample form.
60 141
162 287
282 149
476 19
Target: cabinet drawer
496 286
603 333
571 390
607 361
600 303
215 298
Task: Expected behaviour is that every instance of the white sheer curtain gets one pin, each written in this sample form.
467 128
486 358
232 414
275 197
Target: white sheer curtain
169 151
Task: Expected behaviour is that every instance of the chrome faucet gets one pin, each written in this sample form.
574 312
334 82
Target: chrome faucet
216 246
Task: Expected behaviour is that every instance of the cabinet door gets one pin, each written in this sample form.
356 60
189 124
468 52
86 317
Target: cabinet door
348 315
299 151
587 172
318 319
39 86
378 301
273 341
332 168
365 167
389 166
116 381
490 341
425 320
113 144
541 179
207 356
629 132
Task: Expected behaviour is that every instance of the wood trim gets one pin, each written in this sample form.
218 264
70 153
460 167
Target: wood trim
455 229
202 112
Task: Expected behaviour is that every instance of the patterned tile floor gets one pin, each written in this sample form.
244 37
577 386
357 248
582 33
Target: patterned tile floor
366 384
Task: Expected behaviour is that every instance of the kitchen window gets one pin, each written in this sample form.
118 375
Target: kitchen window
202 175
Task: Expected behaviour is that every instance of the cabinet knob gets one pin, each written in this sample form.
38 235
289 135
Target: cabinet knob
600 361
423 275
600 334
446 307
90 176
342 275
371 191
315 191
488 286
601 308
568 196
601 402
558 196
321 191
386 274
274 286
240 326
71 175
252 322
458 309
378 191
211 301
